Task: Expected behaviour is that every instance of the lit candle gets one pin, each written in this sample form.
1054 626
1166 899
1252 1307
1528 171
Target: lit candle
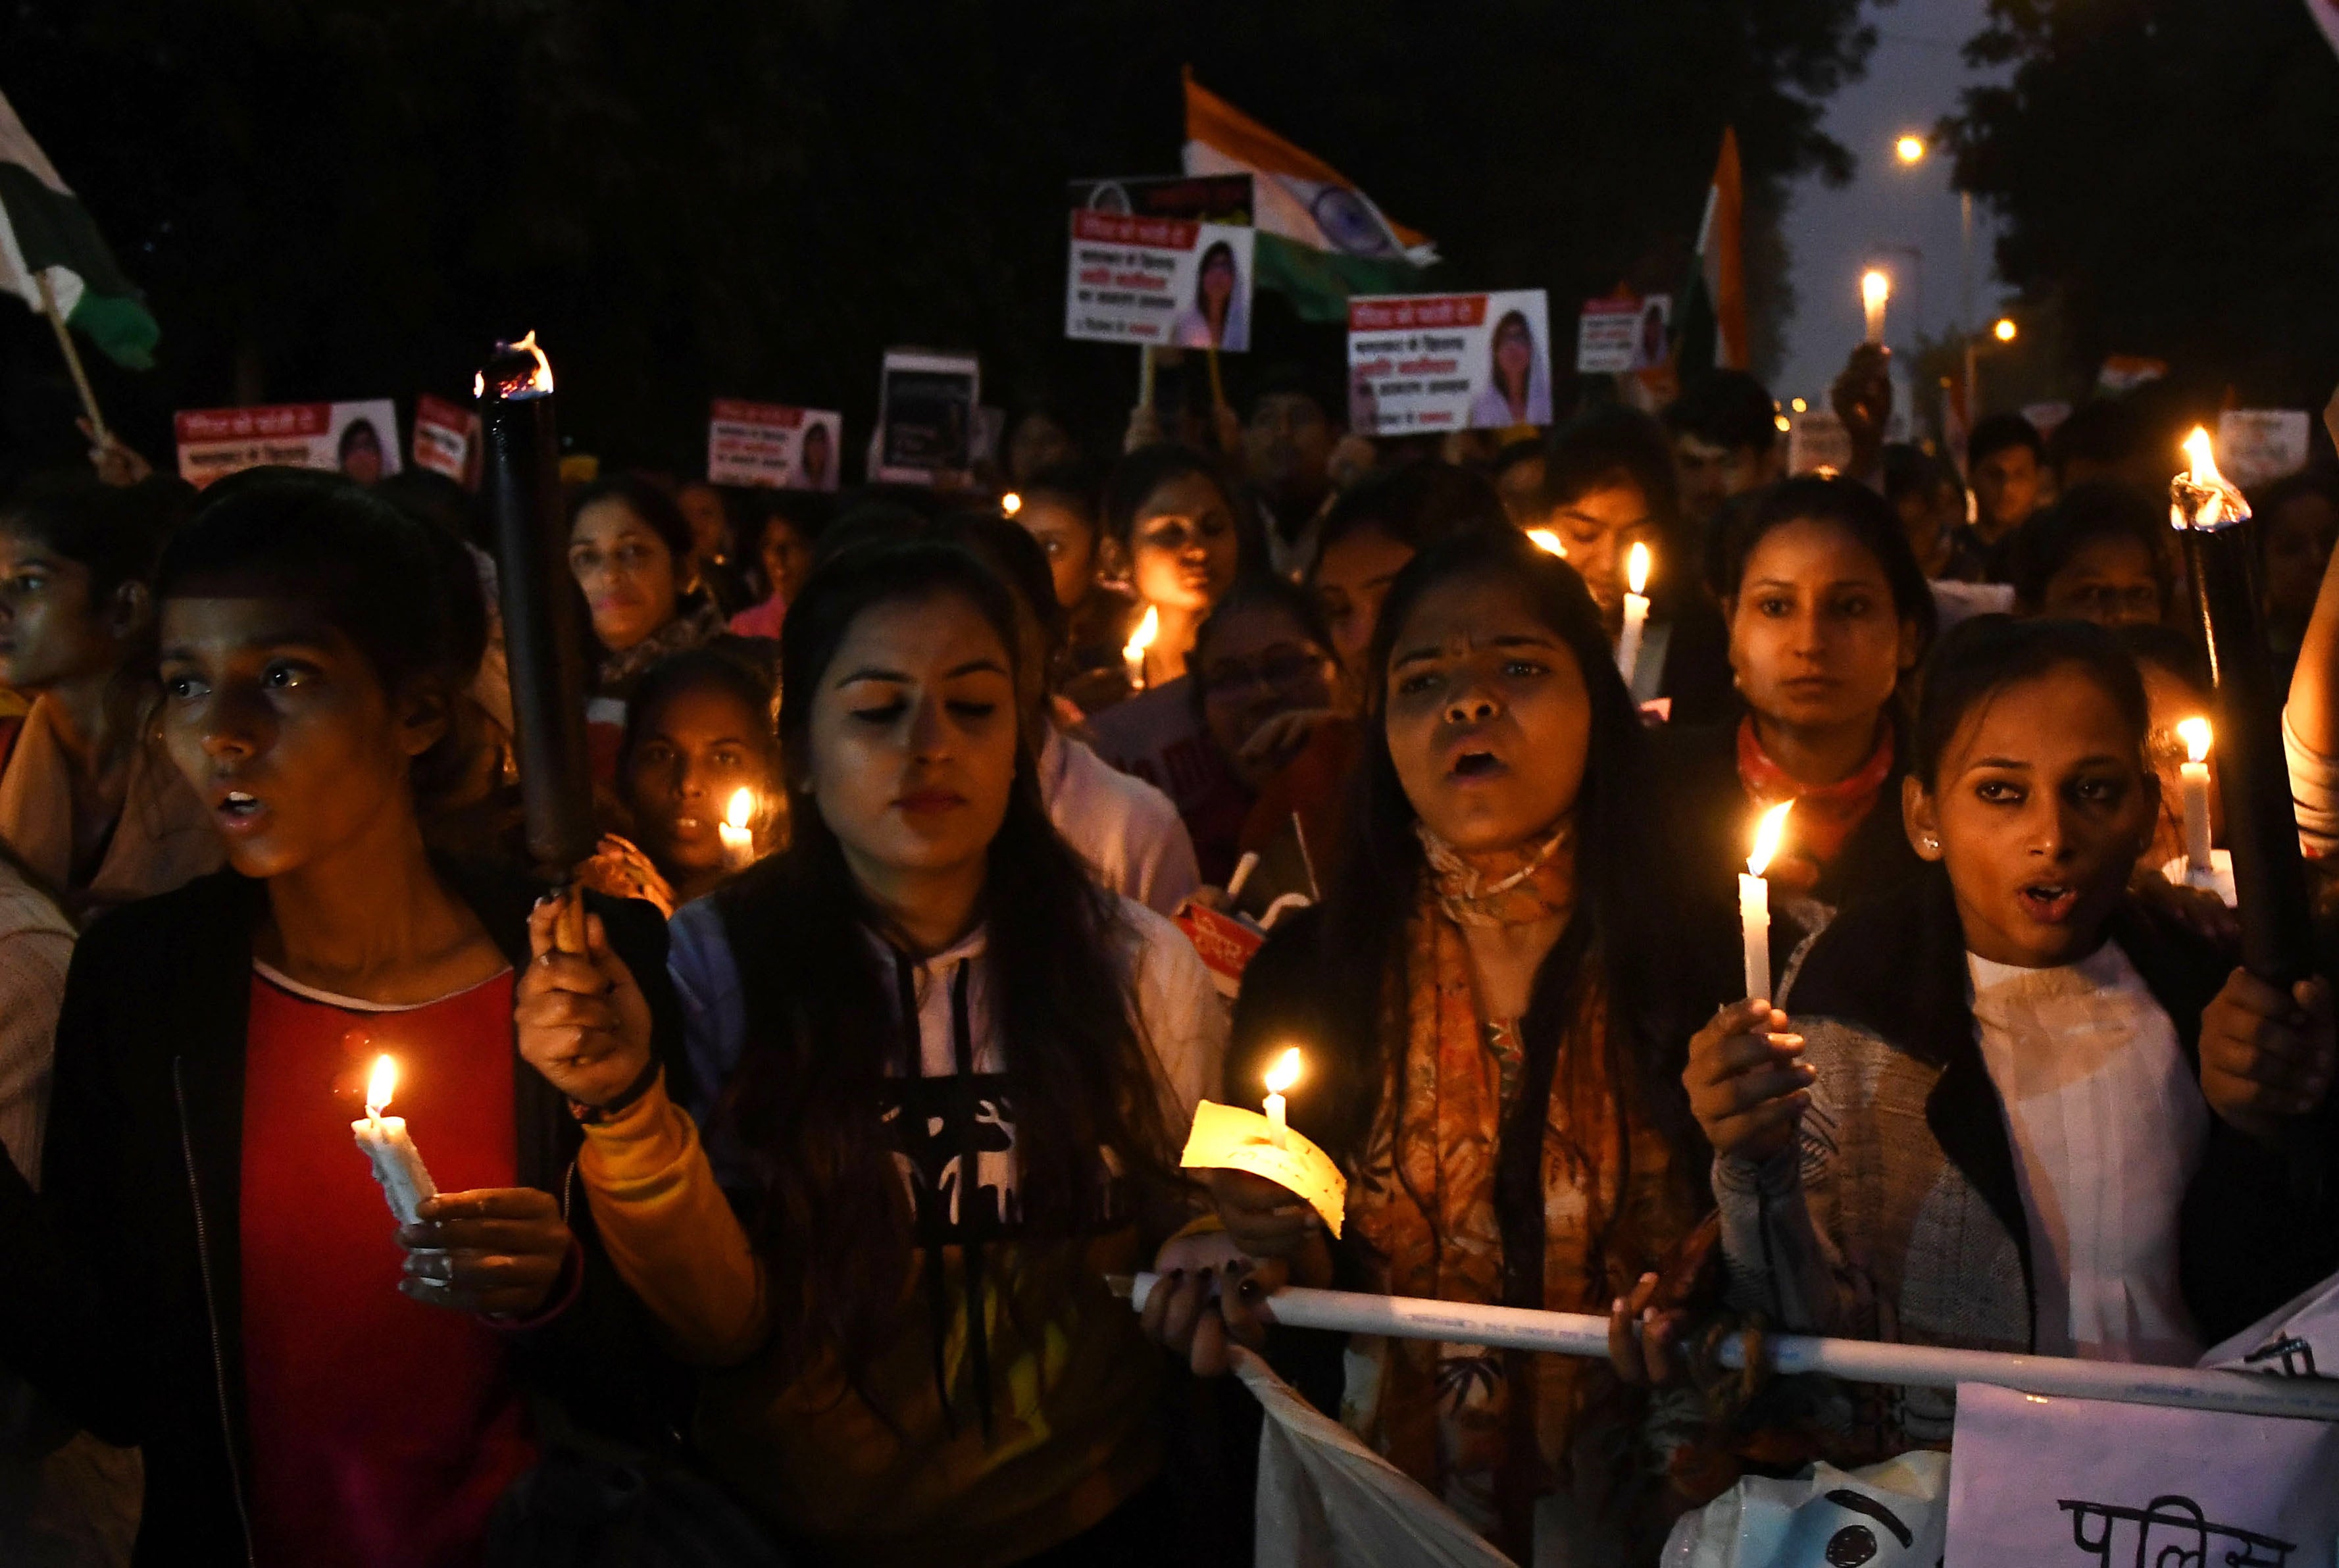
1754 901
1875 289
1281 1077
1132 656
738 836
1637 613
2195 778
1010 504
396 1164
1546 539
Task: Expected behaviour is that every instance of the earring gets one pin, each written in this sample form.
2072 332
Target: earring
1932 844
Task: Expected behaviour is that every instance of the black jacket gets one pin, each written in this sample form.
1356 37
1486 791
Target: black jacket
123 1305
2257 1229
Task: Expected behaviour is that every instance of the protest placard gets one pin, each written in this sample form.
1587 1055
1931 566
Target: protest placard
925 416
1448 361
1817 440
2041 1480
360 439
1161 261
1614 337
773 445
447 439
2259 446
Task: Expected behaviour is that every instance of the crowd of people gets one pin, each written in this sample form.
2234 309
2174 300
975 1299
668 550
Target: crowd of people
774 1217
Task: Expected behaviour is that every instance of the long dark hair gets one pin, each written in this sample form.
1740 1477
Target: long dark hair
1618 939
835 1226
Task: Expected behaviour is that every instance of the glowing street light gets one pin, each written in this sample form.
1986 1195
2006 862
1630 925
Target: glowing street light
1909 148
2005 330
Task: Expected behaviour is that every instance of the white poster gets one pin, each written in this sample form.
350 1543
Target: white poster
1817 440
1614 337
1143 279
2259 446
2038 1480
360 439
447 439
1448 361
773 445
926 404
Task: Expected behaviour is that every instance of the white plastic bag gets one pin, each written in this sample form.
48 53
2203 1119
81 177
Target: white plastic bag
1890 1515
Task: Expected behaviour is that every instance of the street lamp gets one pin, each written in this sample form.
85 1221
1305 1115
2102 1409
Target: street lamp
1909 148
2005 330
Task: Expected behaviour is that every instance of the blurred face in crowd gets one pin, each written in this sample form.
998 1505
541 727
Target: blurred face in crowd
1352 577
632 582
1287 449
1037 443
1815 640
2040 809
700 748
1599 527
1520 486
2298 536
51 633
1182 545
280 725
2006 486
2107 581
1711 475
813 457
361 456
914 740
710 525
787 558
1929 521
1069 542
1489 718
1261 663
2172 700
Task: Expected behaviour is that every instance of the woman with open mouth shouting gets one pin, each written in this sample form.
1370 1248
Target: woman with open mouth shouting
2022 1111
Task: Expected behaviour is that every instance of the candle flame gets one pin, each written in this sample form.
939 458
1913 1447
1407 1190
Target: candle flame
1143 638
381 1085
1010 504
2195 732
1285 1072
1875 287
1774 823
742 809
1546 539
1636 570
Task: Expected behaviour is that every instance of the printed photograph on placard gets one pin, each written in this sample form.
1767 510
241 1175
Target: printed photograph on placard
1162 261
360 439
773 445
1448 361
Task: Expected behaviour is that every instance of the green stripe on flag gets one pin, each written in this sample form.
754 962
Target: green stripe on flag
1318 282
55 230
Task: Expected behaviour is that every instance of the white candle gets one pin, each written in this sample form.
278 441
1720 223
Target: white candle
1133 654
1281 1077
1875 289
1636 614
738 837
397 1164
2194 777
1754 901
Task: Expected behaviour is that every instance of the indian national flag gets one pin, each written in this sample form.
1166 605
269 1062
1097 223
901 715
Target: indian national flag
45 232
1320 239
1710 324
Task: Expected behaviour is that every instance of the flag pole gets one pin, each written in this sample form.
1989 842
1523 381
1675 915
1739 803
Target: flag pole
72 357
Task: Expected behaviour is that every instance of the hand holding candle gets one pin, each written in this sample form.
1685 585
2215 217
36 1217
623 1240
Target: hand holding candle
1754 901
1637 613
397 1164
1133 654
737 830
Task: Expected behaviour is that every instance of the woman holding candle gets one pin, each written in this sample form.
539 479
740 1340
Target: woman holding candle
943 1072
2023 1111
208 1269
1829 613
698 732
1483 1002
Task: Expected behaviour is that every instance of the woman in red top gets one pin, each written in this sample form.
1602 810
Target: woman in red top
209 1269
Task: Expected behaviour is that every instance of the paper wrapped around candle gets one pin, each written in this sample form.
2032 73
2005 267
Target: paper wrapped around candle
1229 1138
2253 774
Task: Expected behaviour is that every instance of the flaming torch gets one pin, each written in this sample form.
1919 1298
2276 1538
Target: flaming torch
521 483
2253 775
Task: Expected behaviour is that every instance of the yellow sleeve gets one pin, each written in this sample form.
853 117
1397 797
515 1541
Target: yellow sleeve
670 1231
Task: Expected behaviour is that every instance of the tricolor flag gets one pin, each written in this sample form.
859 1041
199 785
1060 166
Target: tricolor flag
1712 318
45 232
1320 239
2326 15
